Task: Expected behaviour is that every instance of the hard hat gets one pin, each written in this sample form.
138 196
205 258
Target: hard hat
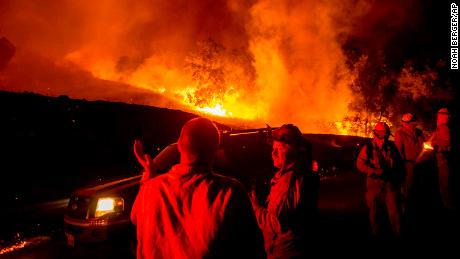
408 117
290 134
382 127
444 111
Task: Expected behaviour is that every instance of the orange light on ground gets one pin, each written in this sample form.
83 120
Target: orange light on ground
13 248
34 241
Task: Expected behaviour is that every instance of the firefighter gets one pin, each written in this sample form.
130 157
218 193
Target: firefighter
442 144
380 161
291 206
191 212
409 141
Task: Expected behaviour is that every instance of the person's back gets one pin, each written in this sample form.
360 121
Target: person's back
441 138
191 212
409 143
442 145
194 213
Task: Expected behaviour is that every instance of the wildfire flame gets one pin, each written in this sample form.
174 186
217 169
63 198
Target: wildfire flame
263 61
226 106
358 127
217 110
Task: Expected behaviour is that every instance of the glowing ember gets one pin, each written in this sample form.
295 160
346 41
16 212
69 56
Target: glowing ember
30 242
13 248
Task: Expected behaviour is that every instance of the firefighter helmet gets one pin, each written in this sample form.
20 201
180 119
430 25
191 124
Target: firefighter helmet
290 134
382 129
444 111
408 118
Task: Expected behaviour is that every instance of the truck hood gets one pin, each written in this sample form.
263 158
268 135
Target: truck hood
109 187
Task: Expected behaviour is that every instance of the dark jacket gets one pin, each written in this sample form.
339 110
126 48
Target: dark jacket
409 144
287 216
387 158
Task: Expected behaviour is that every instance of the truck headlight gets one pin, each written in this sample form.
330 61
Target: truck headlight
109 205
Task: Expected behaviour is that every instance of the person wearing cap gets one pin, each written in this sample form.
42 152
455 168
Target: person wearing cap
380 161
442 145
409 141
289 211
192 212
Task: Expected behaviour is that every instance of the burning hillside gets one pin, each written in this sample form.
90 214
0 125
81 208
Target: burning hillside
327 66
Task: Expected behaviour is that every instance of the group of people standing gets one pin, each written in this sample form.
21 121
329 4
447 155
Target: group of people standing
192 212
392 167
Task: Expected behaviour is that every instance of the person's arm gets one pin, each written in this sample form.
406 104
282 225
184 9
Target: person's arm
137 205
399 144
277 220
267 221
422 136
145 160
362 162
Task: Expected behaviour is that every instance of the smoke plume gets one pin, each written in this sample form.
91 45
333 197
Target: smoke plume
266 61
